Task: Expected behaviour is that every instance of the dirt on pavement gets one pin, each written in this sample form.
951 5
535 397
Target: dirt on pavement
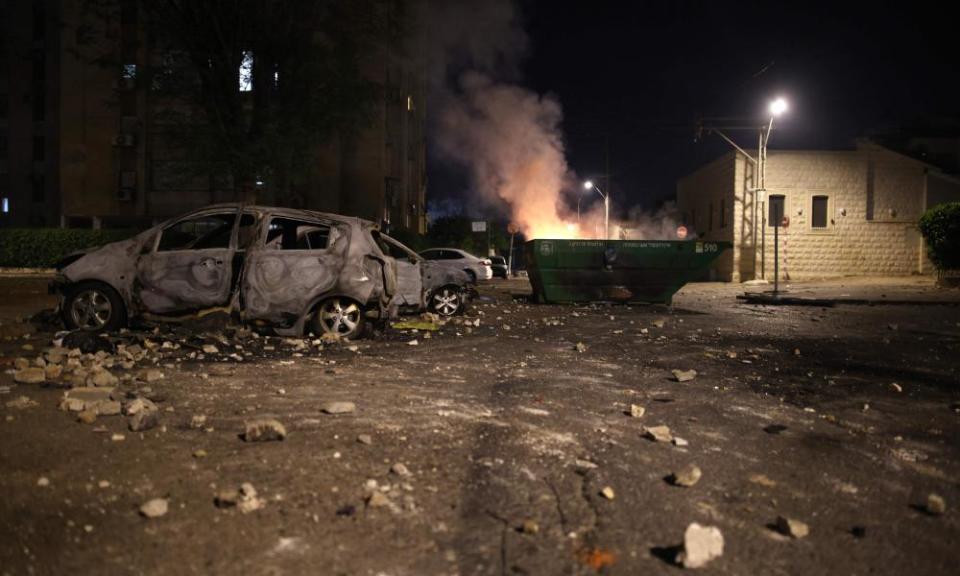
518 449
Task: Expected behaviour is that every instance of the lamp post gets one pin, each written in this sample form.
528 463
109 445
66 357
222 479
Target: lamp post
606 207
777 108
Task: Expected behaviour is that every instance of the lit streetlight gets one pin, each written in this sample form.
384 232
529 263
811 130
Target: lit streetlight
588 185
777 108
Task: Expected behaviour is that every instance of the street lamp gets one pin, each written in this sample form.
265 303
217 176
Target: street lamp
777 108
606 207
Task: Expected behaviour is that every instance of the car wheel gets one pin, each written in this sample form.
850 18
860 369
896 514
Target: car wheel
94 307
339 316
447 301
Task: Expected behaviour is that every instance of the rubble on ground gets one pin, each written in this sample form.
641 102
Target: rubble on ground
701 544
264 430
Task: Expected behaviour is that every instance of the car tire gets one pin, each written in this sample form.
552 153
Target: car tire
93 307
339 316
447 301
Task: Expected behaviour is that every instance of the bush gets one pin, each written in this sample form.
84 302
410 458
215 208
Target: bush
42 247
940 227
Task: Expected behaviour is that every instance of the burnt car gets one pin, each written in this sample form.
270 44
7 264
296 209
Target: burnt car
297 271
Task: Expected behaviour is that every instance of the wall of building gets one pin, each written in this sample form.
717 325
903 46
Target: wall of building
29 116
873 197
705 200
111 156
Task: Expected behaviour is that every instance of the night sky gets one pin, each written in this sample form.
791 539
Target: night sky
639 75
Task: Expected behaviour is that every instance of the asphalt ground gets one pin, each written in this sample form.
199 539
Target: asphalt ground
792 413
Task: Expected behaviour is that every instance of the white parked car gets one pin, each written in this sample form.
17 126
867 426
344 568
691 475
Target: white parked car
476 268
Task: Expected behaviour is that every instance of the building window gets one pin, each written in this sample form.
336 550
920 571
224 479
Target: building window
818 213
246 71
39 193
6 205
129 72
723 213
39 148
775 204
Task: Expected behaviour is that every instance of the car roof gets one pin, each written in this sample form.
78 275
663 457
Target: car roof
281 211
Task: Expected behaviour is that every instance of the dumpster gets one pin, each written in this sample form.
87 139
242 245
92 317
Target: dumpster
649 271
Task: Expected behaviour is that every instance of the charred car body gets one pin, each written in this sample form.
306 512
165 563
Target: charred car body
297 270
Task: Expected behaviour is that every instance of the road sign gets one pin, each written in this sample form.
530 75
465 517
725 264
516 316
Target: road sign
479 226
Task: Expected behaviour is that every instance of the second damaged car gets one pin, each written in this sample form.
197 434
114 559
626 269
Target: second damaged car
297 271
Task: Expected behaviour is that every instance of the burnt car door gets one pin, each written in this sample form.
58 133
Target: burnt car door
190 264
409 270
294 261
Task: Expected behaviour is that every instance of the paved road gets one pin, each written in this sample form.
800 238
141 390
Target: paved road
791 413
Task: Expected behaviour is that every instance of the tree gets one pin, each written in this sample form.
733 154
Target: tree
940 227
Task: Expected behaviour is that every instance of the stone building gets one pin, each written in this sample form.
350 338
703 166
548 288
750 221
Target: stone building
86 145
848 212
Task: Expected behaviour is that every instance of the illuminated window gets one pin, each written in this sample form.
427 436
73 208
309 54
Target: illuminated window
246 71
6 205
818 214
409 103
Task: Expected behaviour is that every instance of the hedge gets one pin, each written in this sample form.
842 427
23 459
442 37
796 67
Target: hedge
940 227
42 247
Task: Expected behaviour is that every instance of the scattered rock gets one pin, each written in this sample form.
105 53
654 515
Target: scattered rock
338 407
85 397
377 499
210 349
264 430
30 375
701 544
88 342
584 466
580 347
894 387
21 403
154 508
152 375
53 371
608 493
637 411
680 442
400 469
87 416
659 323
201 453
529 527
138 405
935 505
245 499
657 433
763 480
104 378
413 342
686 476
43 481
364 439
143 420
792 528
683 375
